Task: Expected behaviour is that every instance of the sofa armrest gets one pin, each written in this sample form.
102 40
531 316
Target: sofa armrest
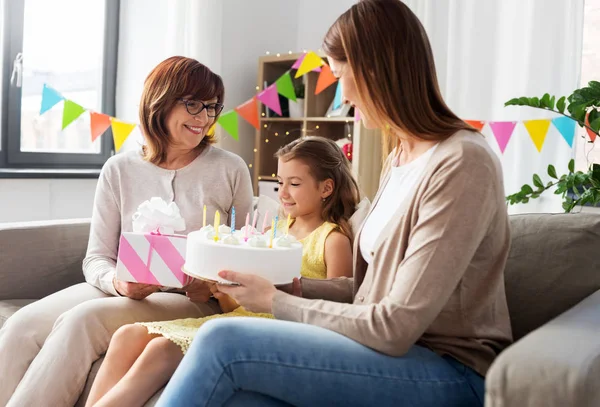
558 364
40 258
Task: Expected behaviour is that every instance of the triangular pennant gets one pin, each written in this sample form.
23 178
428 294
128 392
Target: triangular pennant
249 112
589 132
98 124
229 122
326 78
211 130
299 62
566 127
503 132
478 124
71 112
285 86
337 100
50 97
270 98
356 114
310 62
538 129
121 130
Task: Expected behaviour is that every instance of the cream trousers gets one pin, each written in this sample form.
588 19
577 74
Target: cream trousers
48 347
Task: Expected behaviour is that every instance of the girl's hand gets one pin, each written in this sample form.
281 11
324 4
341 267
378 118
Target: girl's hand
226 303
255 293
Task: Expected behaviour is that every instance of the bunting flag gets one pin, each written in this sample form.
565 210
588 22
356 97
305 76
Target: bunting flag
71 112
50 97
503 132
589 132
211 130
98 124
538 129
285 86
270 98
121 131
356 115
299 62
309 62
337 99
249 112
326 78
566 127
478 124
229 122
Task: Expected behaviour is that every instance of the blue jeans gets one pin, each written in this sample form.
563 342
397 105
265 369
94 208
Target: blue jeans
261 362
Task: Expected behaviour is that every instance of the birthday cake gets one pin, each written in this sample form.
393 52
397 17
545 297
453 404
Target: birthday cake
274 255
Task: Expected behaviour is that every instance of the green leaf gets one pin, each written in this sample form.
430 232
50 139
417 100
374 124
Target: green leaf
594 85
545 100
552 100
525 200
595 125
526 189
560 105
524 101
537 181
534 101
513 102
572 165
552 171
567 206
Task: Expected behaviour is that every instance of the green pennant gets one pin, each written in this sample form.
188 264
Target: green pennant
229 122
285 87
71 112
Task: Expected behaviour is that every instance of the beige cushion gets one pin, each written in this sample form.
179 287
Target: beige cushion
9 307
553 264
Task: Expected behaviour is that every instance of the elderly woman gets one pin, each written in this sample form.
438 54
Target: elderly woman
426 312
48 347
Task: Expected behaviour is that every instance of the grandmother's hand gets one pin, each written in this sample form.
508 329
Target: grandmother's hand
135 291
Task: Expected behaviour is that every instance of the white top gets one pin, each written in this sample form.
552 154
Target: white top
216 178
400 184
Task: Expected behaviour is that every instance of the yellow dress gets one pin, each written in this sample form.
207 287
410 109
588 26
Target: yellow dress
182 331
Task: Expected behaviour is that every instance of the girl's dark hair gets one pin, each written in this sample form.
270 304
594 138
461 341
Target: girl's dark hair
327 161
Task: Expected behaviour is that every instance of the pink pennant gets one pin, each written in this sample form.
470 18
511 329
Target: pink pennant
299 62
356 114
503 132
270 98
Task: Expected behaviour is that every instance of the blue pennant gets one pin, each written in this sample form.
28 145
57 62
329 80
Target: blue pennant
50 97
566 127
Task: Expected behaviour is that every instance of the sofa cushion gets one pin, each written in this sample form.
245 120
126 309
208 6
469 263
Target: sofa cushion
553 264
9 307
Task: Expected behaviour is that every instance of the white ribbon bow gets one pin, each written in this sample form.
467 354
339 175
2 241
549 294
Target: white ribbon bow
156 215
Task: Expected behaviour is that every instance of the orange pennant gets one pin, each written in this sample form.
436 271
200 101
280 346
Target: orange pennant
478 124
98 124
589 132
249 112
326 78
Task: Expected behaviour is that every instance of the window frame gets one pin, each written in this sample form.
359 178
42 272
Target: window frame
11 156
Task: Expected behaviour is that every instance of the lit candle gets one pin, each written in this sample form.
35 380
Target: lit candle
272 233
264 222
204 216
217 222
276 223
232 219
247 226
255 219
287 227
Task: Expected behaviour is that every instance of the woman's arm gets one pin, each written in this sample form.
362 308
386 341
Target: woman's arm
99 265
453 218
338 255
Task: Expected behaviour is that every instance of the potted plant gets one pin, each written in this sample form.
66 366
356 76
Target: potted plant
576 187
297 107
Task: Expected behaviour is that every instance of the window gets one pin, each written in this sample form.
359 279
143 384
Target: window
70 45
587 153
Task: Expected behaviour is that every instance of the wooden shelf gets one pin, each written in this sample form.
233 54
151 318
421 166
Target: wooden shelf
330 119
281 119
267 178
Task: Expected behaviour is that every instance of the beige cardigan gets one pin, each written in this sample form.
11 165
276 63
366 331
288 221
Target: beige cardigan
437 275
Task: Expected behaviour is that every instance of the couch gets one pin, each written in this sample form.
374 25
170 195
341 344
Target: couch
552 285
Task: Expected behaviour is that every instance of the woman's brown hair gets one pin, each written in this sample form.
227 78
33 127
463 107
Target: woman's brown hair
327 161
175 77
389 53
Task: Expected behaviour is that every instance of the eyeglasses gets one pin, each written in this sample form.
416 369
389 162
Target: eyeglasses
194 107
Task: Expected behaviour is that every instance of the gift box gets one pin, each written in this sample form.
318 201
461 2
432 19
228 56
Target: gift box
153 253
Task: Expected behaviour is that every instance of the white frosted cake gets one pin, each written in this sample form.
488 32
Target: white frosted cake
206 256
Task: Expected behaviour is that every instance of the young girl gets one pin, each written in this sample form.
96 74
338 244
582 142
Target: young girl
317 190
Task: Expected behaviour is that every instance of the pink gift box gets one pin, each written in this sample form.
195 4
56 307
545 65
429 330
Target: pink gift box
152 258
